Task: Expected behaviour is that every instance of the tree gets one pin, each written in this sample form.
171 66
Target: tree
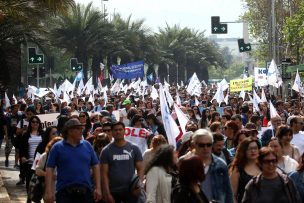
258 15
78 33
294 33
22 21
186 51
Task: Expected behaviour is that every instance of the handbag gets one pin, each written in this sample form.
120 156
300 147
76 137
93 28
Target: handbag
136 184
36 186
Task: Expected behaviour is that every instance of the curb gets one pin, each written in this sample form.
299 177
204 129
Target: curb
4 197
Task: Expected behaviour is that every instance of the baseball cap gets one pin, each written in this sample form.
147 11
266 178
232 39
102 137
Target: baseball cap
127 101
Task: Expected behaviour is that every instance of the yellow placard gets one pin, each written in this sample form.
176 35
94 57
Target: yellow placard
238 85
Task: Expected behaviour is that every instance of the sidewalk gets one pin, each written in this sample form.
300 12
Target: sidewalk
9 176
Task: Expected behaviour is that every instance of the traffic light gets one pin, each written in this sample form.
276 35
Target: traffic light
42 72
75 66
34 72
217 27
243 47
34 58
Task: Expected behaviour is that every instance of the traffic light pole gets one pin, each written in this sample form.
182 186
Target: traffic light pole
37 75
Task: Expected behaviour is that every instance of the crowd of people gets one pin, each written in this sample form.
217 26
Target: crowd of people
231 154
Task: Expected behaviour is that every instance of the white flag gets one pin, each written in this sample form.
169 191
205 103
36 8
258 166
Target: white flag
182 118
256 97
273 75
7 101
263 96
14 98
168 96
273 111
242 94
154 94
219 95
196 102
223 84
177 99
297 83
194 86
169 123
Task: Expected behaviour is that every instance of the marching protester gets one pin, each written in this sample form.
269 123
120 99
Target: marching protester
191 174
216 185
73 158
29 143
270 186
119 161
160 175
285 164
285 136
298 177
132 160
244 166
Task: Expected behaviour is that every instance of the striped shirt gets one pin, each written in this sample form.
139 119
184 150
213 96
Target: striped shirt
33 142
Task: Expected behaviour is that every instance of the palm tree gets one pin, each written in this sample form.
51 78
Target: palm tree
78 32
187 50
22 21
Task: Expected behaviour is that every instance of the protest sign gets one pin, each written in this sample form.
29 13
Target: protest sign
128 71
48 119
260 77
137 136
241 84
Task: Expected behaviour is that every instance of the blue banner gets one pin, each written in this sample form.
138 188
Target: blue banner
129 70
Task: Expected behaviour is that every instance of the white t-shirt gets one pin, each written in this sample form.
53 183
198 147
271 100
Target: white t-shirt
123 114
298 141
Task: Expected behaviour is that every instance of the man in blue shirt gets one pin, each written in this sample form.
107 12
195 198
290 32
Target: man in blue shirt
73 158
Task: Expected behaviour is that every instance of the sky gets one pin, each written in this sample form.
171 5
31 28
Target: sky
187 13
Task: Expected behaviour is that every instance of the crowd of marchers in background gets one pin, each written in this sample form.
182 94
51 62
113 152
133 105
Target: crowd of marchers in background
228 152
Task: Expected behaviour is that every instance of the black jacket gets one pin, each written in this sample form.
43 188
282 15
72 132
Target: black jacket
24 148
183 194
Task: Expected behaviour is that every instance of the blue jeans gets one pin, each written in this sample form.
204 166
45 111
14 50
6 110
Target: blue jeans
65 196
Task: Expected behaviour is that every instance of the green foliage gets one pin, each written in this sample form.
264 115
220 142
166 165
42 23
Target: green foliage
233 71
294 31
258 15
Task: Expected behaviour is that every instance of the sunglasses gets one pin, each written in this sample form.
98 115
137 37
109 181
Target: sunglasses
81 116
55 133
34 122
106 130
203 145
270 161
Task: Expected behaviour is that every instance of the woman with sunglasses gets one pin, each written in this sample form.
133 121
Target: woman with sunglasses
270 186
29 143
244 166
298 177
85 119
285 135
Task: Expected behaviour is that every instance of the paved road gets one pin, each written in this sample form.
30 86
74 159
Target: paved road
10 176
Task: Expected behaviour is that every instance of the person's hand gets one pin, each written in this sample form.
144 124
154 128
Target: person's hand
97 195
49 198
109 198
24 160
136 192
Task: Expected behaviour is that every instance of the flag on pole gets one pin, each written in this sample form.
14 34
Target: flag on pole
273 75
273 111
297 85
169 123
7 101
177 99
263 96
194 86
182 118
